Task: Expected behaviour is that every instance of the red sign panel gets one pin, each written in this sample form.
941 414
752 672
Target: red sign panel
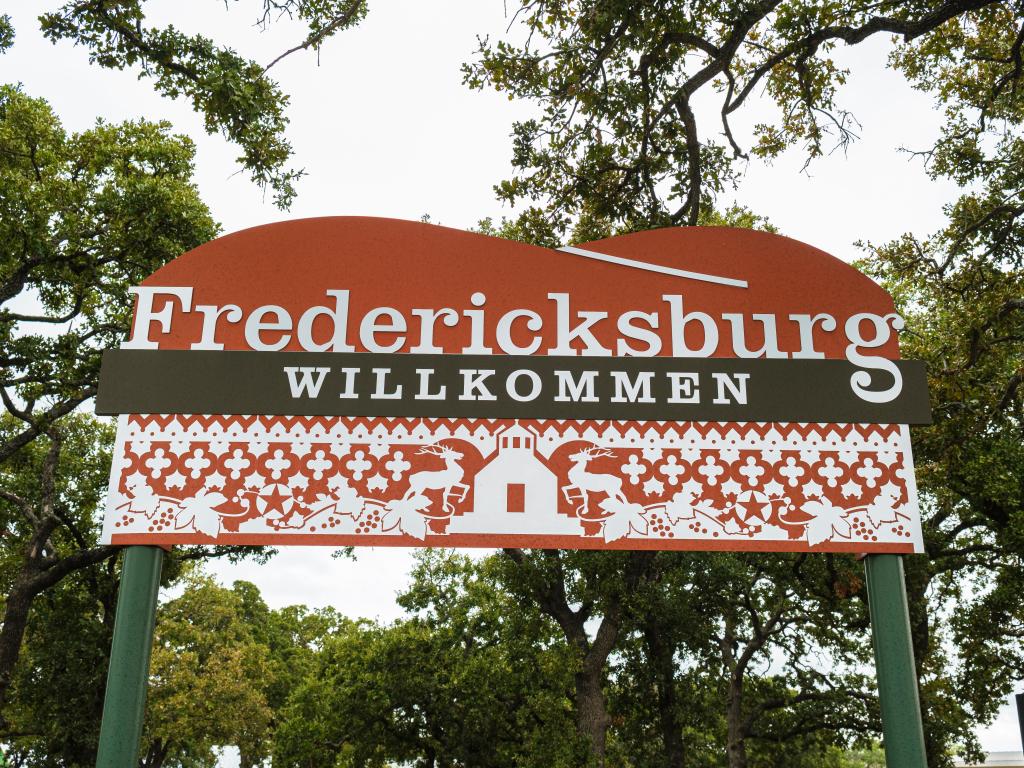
347 381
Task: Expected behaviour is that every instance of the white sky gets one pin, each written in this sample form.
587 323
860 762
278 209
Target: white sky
384 127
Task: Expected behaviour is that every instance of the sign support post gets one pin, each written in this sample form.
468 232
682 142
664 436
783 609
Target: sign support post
894 661
125 702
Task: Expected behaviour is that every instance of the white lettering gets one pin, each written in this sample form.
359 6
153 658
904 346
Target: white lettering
736 383
513 390
255 325
380 382
570 390
339 315
644 335
504 332
476 327
304 381
371 326
861 380
425 393
678 322
770 348
427 319
684 387
210 316
473 381
349 391
567 334
145 316
638 391
807 323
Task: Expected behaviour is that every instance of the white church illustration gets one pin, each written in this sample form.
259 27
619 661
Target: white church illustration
515 491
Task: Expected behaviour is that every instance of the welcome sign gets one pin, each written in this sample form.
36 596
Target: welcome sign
348 381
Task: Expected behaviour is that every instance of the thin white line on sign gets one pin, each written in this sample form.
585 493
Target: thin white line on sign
654 267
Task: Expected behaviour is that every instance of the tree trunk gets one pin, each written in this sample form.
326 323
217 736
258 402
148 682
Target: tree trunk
736 745
16 609
592 719
36 575
918 578
156 755
660 658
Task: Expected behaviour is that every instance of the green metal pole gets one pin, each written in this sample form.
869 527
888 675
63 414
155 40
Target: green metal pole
125 701
894 659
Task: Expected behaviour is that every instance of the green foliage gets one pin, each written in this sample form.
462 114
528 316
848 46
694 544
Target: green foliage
962 293
962 298
617 136
80 481
56 696
466 681
6 32
223 664
82 218
58 691
207 680
234 94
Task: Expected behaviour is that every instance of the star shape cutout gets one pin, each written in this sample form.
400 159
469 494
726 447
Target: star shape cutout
652 453
180 446
380 450
731 488
774 489
175 480
813 488
215 480
298 480
255 480
693 487
275 500
850 489
135 480
140 447
377 482
218 447
653 487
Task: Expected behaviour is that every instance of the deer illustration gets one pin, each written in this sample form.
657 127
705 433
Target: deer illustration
445 480
585 482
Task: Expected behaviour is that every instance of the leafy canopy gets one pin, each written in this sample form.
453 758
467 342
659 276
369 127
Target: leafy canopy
236 95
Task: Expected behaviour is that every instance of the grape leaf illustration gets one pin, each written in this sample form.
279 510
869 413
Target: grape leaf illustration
881 511
626 517
680 507
615 527
200 513
144 500
827 521
409 513
349 501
